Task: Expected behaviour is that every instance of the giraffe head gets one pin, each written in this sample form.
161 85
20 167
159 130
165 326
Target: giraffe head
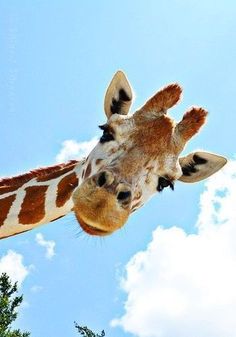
138 156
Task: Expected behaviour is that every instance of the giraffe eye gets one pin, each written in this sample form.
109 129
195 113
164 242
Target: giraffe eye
163 183
107 135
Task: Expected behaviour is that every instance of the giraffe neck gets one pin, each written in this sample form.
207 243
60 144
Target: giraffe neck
38 197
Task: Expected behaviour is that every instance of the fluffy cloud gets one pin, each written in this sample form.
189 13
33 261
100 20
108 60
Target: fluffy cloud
36 289
72 149
47 244
185 285
12 264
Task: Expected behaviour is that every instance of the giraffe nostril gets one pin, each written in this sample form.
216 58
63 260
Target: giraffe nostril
123 195
101 179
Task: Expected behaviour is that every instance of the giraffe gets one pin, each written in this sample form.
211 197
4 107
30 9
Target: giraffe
136 157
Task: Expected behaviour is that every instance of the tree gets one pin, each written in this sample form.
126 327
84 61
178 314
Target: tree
8 308
86 332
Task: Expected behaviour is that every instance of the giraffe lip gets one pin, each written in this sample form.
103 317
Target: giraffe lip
91 229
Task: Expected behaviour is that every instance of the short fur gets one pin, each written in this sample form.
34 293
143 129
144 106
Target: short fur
136 157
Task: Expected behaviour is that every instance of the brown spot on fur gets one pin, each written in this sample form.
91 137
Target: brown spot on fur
88 171
65 188
43 174
7 189
112 151
152 137
17 181
5 205
33 206
98 161
58 173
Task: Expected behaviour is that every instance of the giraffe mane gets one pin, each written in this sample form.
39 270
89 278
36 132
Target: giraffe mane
40 173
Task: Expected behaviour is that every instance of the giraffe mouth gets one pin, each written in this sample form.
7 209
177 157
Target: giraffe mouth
91 230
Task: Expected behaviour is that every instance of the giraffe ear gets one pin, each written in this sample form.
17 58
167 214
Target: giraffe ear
118 96
200 165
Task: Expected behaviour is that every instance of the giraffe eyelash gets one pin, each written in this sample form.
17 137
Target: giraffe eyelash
163 183
104 127
107 133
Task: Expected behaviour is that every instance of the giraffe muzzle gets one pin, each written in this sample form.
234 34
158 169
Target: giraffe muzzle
101 204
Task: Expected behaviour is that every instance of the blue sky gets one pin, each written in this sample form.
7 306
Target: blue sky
57 58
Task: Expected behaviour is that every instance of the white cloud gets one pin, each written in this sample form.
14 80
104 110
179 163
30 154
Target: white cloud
36 288
73 150
49 245
185 285
12 264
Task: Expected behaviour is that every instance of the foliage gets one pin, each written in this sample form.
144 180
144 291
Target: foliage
86 332
8 308
9 304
